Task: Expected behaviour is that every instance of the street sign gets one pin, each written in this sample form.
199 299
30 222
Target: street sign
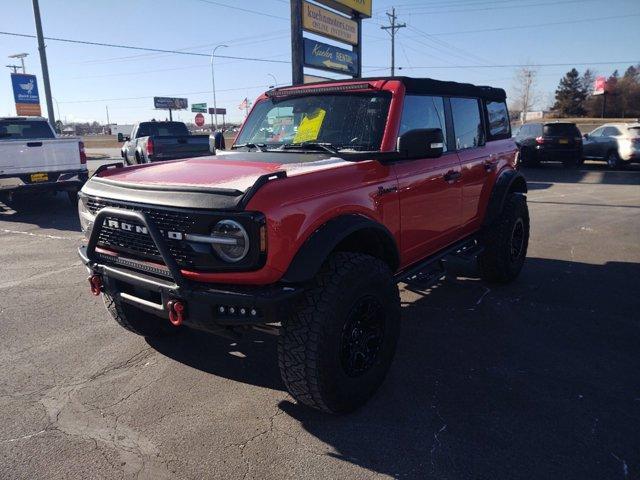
170 103
217 111
199 120
327 57
363 7
25 94
199 107
319 20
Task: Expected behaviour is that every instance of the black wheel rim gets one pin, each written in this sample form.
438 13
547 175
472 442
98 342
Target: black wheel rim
362 336
517 240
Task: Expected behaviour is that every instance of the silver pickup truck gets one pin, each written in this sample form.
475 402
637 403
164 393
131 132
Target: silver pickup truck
157 141
33 159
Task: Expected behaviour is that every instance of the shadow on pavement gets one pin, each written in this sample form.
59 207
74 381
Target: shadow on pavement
537 379
47 211
590 173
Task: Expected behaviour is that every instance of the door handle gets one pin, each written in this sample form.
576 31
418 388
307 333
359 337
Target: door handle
491 163
451 176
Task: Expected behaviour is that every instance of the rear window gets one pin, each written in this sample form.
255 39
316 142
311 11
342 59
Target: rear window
24 129
568 129
159 129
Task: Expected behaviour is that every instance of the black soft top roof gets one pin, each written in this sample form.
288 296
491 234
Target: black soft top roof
440 87
424 86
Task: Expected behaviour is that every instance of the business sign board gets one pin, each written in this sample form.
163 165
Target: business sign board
324 22
170 103
327 57
314 78
363 7
199 120
25 94
199 107
217 111
600 86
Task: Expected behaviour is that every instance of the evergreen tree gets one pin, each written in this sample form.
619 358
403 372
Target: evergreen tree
570 95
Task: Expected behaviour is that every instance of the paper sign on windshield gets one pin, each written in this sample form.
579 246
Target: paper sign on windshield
309 127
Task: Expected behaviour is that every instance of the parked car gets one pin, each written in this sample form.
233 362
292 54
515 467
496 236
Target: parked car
156 141
618 144
34 159
385 180
551 141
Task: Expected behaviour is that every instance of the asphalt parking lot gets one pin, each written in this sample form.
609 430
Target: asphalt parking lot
535 380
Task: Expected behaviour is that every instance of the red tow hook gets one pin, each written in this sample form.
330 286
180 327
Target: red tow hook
95 283
176 312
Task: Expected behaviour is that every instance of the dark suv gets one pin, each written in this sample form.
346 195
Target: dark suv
335 192
556 141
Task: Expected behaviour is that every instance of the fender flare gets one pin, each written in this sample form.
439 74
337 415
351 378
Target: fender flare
312 254
508 182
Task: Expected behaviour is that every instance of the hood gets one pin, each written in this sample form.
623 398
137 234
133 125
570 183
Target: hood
212 182
233 171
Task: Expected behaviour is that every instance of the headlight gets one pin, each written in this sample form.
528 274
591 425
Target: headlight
230 241
86 217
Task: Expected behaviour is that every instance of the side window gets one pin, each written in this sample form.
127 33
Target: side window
498 120
597 132
611 132
422 111
467 123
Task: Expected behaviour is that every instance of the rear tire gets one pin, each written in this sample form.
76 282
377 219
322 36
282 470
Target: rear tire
138 321
505 242
337 345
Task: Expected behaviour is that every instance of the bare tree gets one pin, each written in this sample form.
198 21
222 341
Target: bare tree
524 91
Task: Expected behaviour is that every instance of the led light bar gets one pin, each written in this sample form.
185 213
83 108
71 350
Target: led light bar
288 92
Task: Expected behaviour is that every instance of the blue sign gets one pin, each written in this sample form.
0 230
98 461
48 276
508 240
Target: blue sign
327 57
25 88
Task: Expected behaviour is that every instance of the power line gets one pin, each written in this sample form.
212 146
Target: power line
462 10
517 65
219 4
145 49
535 25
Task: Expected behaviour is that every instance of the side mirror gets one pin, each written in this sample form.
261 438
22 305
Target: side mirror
586 136
421 143
127 138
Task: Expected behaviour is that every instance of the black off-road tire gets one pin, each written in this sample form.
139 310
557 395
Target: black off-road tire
316 338
138 321
499 262
613 160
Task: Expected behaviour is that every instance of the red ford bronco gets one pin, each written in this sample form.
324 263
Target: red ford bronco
334 193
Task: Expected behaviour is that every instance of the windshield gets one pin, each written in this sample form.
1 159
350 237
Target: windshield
568 129
347 121
162 129
27 129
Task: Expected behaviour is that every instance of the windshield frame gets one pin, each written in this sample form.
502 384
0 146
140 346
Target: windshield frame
319 144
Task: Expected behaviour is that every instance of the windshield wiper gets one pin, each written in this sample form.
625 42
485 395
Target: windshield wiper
258 146
327 147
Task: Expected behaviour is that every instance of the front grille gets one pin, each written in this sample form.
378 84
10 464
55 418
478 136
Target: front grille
141 245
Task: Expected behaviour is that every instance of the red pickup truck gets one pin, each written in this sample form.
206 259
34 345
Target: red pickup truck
335 192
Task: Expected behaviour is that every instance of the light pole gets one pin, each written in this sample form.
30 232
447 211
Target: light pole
213 85
275 80
21 57
58 109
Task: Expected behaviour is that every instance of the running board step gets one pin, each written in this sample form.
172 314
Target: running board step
460 259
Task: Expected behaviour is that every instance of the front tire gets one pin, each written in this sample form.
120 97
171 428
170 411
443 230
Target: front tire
505 242
336 346
137 321
613 160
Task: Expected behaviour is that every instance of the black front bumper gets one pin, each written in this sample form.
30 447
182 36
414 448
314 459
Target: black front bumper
208 307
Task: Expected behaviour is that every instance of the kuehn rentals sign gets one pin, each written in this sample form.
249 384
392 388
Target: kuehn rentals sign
342 22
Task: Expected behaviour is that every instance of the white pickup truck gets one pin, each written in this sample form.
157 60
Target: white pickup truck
34 159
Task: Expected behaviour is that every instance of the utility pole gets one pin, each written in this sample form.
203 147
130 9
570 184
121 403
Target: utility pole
392 29
43 62
213 86
107 108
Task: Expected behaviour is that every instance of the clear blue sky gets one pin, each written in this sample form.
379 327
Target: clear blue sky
86 79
